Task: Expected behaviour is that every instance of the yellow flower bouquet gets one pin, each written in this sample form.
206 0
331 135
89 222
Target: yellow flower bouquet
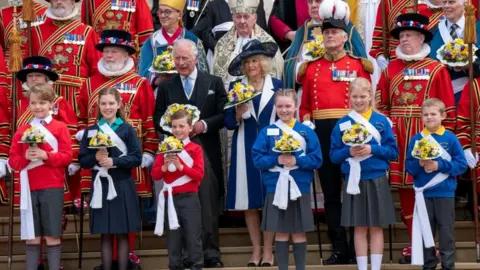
170 145
455 53
286 144
239 94
164 63
425 149
315 48
166 121
100 141
32 136
357 134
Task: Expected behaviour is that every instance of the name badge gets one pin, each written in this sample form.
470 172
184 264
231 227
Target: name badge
345 125
92 133
273 132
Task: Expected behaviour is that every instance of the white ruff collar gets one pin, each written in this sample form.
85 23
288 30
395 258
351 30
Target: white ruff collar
26 88
72 15
430 5
128 66
415 57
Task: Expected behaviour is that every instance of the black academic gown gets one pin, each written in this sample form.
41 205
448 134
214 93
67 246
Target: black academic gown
209 97
218 12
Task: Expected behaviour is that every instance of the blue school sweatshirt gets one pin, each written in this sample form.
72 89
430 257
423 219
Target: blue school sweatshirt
375 166
455 167
264 158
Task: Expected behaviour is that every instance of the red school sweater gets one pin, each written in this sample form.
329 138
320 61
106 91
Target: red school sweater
52 173
196 172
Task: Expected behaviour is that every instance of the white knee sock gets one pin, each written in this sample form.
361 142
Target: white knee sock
362 262
376 261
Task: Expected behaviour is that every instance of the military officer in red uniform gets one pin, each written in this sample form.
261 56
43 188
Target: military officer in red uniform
133 16
403 86
4 129
431 9
71 46
329 77
116 69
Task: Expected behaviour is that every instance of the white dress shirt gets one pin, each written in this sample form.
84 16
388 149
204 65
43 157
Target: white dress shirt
461 26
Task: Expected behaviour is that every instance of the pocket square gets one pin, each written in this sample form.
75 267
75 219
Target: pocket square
211 92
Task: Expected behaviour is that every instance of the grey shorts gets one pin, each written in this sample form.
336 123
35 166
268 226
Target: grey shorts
47 207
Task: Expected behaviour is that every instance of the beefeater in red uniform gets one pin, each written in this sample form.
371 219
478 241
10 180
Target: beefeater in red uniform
117 69
393 8
325 83
71 46
403 86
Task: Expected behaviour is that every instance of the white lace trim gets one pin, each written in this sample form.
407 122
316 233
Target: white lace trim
72 15
415 57
128 66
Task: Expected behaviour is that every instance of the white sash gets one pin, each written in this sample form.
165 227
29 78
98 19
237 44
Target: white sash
241 184
96 201
444 33
421 223
172 213
282 191
354 162
27 229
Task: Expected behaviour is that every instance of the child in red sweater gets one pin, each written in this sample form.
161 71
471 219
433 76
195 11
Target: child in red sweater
42 178
182 214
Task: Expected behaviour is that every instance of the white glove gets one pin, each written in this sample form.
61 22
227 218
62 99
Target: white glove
73 169
3 168
309 124
246 115
79 135
147 160
471 160
382 62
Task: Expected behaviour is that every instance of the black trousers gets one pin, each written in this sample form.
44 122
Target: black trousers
441 214
331 181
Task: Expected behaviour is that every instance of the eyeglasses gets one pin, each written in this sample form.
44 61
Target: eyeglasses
167 12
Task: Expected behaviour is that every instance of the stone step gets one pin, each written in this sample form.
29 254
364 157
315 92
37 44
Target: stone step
231 256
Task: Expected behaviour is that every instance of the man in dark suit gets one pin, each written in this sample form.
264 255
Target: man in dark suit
206 92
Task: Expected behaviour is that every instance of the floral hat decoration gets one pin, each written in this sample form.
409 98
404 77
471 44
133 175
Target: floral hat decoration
166 120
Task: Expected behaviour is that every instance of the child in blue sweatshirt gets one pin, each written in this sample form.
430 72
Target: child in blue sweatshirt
435 186
367 200
287 179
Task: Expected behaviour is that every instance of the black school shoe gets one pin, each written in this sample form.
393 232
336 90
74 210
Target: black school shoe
213 263
114 266
336 258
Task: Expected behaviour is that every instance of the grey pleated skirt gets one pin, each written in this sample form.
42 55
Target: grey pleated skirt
296 218
373 207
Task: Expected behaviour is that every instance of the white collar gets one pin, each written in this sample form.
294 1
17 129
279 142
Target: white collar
36 120
192 76
26 88
430 5
128 66
186 141
460 23
415 57
55 18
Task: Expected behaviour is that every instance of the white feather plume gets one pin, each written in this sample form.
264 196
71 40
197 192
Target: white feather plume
337 9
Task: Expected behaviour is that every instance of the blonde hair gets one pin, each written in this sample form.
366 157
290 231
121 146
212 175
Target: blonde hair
286 92
434 102
364 85
44 91
265 64
114 92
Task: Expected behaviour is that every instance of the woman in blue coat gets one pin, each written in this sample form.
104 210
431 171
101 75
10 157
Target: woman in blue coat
245 191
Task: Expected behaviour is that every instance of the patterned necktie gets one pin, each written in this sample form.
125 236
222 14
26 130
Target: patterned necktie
187 86
453 31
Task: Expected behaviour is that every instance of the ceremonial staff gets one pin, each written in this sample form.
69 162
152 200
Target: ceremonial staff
28 16
470 39
386 54
14 65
